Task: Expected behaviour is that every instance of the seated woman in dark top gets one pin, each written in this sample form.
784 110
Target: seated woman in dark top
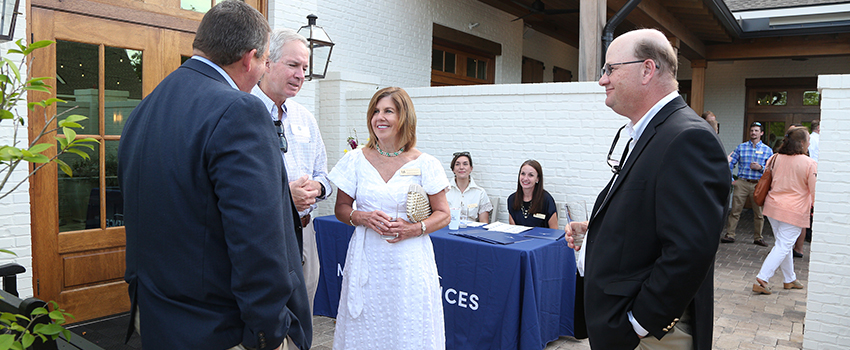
531 205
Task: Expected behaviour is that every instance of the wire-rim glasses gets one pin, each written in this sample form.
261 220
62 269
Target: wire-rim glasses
616 165
609 67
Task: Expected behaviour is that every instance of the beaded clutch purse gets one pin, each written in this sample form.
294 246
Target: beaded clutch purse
418 206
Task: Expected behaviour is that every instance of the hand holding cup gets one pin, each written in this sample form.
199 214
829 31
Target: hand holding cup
574 233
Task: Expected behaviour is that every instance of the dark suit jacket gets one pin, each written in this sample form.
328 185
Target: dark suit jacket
651 243
212 254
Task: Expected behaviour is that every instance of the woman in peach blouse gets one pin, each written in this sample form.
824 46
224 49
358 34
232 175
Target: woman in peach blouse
792 193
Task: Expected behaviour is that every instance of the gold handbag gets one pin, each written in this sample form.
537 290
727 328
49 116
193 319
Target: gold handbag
418 206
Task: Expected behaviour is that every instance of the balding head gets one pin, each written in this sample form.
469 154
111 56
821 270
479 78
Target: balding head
651 44
641 69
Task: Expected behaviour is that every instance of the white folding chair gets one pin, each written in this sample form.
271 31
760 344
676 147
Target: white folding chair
494 215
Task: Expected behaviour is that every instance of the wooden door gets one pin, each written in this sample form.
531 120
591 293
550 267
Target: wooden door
103 68
532 70
778 103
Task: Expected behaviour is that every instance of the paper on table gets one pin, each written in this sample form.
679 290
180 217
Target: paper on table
474 224
503 227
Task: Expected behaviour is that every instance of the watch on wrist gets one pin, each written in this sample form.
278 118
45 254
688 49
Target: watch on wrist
322 194
423 227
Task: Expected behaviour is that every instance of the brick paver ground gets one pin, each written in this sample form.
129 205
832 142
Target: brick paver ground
742 319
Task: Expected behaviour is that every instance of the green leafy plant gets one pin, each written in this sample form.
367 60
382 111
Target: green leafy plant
13 92
20 331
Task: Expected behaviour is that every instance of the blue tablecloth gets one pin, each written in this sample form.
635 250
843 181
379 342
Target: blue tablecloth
515 296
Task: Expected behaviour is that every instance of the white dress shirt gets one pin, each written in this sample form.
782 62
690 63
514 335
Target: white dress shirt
814 145
306 154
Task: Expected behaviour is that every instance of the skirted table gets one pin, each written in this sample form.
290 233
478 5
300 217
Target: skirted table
513 296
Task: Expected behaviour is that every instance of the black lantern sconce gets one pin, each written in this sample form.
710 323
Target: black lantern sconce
320 48
8 16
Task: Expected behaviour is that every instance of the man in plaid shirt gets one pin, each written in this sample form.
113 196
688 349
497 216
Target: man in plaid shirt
751 157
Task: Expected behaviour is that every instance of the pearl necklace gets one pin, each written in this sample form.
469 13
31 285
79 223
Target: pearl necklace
386 154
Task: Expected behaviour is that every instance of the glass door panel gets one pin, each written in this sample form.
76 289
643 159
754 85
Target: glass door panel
77 82
774 133
114 201
123 86
79 195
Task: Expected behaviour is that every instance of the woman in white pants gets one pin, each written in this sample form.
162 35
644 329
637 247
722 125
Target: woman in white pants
787 205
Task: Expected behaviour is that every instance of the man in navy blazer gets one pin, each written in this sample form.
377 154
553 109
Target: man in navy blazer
213 259
649 252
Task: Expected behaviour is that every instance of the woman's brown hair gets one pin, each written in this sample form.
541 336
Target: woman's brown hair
537 194
406 117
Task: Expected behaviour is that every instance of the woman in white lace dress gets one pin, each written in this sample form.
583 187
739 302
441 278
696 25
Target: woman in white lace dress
390 295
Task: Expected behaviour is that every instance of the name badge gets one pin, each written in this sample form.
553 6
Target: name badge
473 205
759 152
411 172
540 216
300 130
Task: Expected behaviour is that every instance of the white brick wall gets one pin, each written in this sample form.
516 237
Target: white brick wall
15 208
564 126
392 39
828 305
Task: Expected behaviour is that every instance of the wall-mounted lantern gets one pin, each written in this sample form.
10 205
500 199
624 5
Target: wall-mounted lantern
8 16
320 48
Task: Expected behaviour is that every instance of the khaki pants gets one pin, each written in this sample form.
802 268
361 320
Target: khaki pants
287 345
311 263
742 193
678 339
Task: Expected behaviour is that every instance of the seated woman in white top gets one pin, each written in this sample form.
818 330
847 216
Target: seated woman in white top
464 193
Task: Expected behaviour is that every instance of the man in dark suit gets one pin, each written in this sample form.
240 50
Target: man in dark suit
649 252
213 257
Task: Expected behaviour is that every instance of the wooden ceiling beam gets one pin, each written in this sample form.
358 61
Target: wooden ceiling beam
694 4
559 33
783 47
649 13
542 23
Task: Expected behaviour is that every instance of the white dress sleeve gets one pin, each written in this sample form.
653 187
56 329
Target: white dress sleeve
434 177
344 173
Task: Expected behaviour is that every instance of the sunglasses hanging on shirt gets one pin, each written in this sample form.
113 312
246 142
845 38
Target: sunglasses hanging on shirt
284 146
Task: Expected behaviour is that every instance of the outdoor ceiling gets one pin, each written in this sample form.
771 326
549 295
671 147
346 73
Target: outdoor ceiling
693 16
705 29
563 27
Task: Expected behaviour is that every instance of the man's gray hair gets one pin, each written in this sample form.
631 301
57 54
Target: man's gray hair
282 37
660 52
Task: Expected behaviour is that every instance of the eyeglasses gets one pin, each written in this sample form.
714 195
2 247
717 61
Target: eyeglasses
458 154
284 146
755 124
616 165
609 67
